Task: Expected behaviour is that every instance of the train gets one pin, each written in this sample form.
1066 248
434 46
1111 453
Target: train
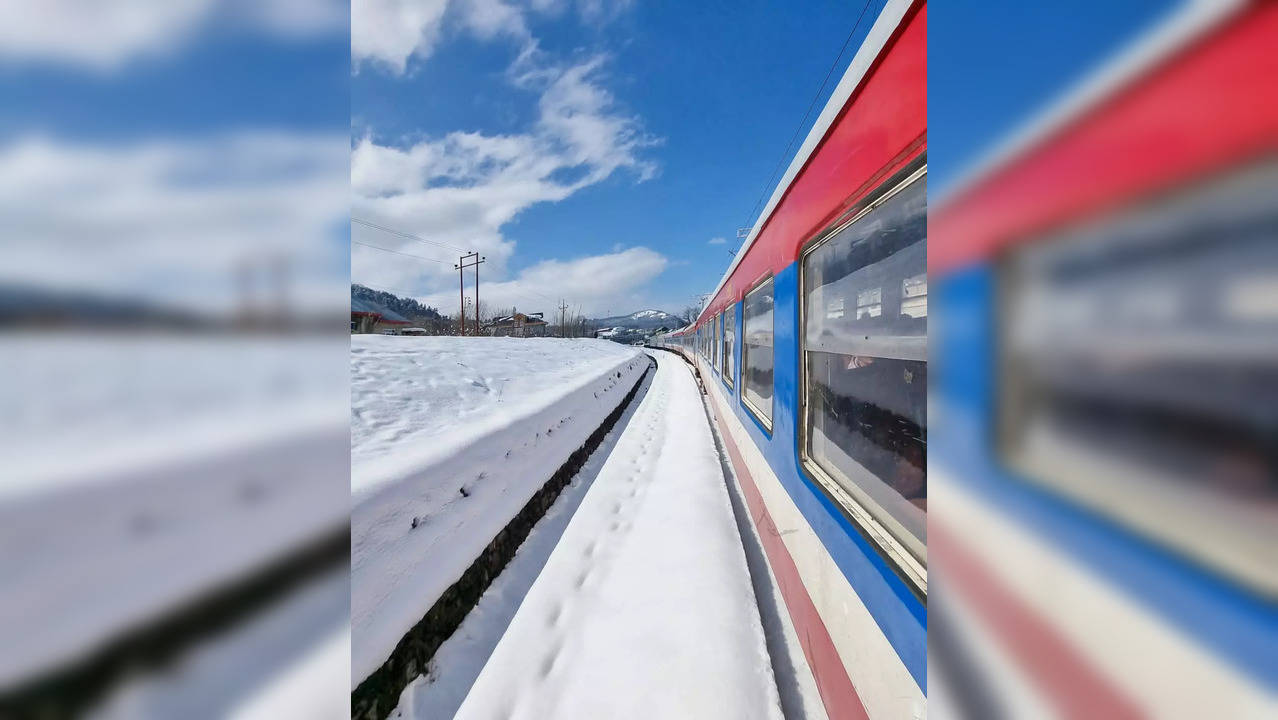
1105 335
813 353
1100 300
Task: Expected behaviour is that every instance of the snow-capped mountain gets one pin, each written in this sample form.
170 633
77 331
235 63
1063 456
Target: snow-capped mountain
650 314
641 320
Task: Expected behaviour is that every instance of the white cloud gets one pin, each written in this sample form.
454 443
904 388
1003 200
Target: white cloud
593 284
462 189
717 241
104 36
488 19
591 11
391 33
175 221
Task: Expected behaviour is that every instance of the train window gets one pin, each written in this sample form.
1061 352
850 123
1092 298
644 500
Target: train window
1140 370
716 330
718 343
756 352
865 369
728 338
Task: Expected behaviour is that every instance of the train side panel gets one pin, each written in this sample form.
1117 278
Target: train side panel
1063 605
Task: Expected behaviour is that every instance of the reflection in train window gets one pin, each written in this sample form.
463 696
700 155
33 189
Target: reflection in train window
1140 358
865 363
728 322
756 352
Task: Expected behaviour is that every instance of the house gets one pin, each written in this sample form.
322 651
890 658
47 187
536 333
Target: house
369 317
518 325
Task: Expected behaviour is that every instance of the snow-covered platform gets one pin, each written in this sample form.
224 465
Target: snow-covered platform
142 472
645 607
450 438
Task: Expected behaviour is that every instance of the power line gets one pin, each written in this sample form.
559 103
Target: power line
376 247
802 123
543 297
410 236
401 233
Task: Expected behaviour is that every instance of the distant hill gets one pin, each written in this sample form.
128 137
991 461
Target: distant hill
368 299
641 320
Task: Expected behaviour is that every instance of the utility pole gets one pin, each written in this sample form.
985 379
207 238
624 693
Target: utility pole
479 322
465 261
563 319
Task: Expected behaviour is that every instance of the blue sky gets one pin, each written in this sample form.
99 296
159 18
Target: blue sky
704 98
591 149
217 83
159 150
992 64
713 93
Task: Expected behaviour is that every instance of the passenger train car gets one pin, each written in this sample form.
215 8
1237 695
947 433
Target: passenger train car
1104 328
813 351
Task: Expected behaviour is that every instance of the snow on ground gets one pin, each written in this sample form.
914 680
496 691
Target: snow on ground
143 470
645 608
450 437
290 659
86 407
459 660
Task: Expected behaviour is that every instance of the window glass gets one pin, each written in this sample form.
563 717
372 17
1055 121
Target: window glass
756 351
715 331
1139 369
865 355
728 338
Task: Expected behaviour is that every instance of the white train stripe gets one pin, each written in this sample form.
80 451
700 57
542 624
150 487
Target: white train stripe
882 681
1154 663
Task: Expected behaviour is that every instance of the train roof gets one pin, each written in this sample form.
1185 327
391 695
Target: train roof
889 19
1155 88
1170 35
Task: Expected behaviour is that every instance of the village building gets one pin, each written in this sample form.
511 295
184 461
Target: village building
369 317
518 325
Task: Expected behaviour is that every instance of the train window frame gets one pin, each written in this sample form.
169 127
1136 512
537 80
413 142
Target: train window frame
764 419
716 332
726 320
855 502
710 342
1201 526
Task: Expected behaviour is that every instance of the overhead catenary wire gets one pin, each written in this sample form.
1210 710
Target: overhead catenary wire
397 252
785 153
408 235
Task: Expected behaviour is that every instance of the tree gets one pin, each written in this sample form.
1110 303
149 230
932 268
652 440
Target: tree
689 314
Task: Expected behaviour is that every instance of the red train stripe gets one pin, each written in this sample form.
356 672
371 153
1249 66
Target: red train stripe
1055 667
837 692
1209 108
883 126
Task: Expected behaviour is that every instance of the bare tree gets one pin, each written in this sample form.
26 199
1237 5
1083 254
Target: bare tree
689 314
